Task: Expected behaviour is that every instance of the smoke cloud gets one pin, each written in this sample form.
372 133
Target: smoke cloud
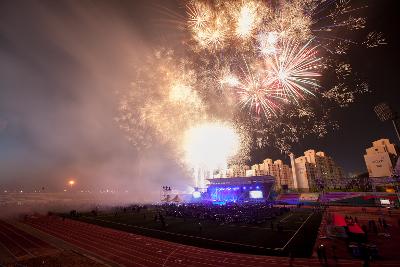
61 64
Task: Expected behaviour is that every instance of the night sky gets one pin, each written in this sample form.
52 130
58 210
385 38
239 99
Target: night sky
62 62
359 125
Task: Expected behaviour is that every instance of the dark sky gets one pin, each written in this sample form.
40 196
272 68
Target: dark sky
379 66
358 123
61 63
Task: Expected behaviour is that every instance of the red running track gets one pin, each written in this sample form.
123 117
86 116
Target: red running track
19 243
135 250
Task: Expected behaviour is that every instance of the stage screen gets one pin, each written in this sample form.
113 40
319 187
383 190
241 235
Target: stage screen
385 201
256 194
196 194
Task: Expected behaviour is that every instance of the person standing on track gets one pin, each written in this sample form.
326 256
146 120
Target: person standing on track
162 220
335 258
291 258
319 253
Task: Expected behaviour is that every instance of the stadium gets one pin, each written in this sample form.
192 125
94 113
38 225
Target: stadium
199 133
231 220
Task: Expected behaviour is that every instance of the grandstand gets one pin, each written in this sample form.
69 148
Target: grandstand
291 198
338 198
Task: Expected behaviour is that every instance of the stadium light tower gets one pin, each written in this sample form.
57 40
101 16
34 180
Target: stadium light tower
386 113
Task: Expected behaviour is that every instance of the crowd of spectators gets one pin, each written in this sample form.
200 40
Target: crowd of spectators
244 213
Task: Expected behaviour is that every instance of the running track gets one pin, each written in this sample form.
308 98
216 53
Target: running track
135 250
20 244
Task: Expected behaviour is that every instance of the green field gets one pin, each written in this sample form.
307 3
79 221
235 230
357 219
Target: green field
298 234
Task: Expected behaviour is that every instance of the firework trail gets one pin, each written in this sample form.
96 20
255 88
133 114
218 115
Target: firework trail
257 65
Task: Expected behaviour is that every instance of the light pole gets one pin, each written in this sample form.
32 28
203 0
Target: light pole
71 183
386 113
166 191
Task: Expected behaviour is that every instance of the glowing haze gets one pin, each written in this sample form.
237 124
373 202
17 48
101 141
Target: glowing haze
73 74
258 65
208 147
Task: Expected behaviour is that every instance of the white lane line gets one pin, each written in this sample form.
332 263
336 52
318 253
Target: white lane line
16 244
285 219
297 231
9 251
169 255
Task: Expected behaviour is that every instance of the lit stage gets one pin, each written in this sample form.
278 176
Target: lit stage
236 190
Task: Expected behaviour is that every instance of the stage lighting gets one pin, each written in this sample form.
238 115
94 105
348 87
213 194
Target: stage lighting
256 194
196 194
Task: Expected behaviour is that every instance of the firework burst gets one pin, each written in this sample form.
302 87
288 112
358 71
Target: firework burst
257 65
293 71
248 17
253 93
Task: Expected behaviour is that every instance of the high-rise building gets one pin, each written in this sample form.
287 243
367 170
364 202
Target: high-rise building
380 159
283 174
303 172
277 169
233 171
315 170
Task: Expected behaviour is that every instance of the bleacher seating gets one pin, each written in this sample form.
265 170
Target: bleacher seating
337 196
291 198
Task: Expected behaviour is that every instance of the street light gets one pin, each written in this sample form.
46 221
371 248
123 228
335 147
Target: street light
71 183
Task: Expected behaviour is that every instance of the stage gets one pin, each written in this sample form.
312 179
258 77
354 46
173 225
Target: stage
236 190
